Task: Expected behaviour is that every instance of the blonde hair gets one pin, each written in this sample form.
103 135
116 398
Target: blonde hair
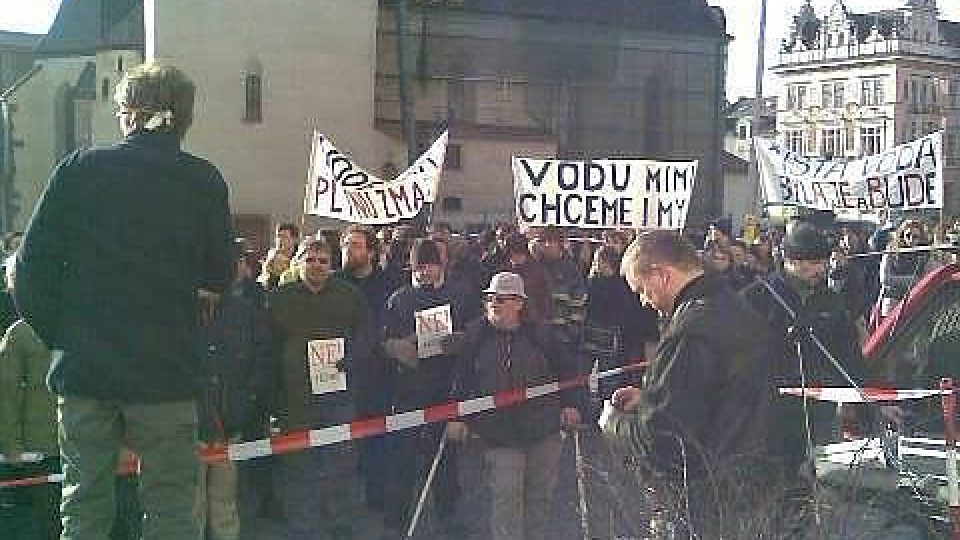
153 89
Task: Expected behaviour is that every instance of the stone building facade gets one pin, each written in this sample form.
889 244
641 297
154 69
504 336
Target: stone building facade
855 84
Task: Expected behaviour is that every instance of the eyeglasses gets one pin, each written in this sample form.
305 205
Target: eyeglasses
499 298
316 260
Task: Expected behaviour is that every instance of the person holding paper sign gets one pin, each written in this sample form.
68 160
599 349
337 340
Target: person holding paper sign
506 350
322 327
417 317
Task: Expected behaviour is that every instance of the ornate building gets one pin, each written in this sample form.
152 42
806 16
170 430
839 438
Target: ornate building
855 84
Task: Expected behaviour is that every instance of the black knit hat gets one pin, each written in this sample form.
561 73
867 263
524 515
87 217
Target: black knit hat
425 251
804 242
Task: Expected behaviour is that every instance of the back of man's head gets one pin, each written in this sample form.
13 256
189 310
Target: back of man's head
154 88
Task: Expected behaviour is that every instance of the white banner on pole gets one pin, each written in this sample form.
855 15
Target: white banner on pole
603 193
339 188
905 177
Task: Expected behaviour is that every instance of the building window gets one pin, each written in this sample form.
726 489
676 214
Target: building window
871 91
795 141
870 141
105 89
452 204
451 160
796 96
832 95
830 138
253 102
120 64
743 131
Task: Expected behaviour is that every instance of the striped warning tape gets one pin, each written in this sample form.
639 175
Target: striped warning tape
370 427
864 395
129 465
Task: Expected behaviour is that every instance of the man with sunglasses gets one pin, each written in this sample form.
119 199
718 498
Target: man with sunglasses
319 487
506 350
125 242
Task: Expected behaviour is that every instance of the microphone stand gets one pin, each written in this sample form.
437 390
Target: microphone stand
796 335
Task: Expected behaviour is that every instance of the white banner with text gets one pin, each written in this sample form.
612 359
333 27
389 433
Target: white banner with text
905 177
339 188
603 193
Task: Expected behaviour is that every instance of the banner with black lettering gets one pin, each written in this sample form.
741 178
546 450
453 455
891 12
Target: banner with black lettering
906 177
603 193
338 188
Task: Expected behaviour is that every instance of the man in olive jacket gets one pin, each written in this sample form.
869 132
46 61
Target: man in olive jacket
122 244
699 421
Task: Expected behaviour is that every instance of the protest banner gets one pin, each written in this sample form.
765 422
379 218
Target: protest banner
322 358
905 177
433 326
339 188
606 193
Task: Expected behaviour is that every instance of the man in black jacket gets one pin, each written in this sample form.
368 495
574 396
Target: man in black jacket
699 420
507 351
423 378
802 285
121 245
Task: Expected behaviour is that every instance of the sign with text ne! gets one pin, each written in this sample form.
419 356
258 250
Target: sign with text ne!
322 358
339 188
905 177
603 193
433 325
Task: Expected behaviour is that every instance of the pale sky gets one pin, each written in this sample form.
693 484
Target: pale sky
743 22
32 16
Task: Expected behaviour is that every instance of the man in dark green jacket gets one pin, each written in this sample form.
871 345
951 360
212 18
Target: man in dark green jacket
321 326
697 425
122 244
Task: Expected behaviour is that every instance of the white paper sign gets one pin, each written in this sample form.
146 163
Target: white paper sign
339 188
603 193
905 177
433 325
322 358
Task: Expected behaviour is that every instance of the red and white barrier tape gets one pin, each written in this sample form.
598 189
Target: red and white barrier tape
865 395
369 427
129 465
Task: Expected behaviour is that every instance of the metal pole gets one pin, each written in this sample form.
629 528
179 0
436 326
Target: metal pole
949 402
758 102
581 484
426 486
408 118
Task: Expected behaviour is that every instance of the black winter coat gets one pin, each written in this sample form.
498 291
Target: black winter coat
493 360
708 386
108 272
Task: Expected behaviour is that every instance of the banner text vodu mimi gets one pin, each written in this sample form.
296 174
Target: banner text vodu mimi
607 193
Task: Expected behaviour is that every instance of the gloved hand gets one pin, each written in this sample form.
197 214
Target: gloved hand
457 431
404 350
453 343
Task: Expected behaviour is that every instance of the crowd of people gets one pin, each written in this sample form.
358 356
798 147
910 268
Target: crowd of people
140 325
